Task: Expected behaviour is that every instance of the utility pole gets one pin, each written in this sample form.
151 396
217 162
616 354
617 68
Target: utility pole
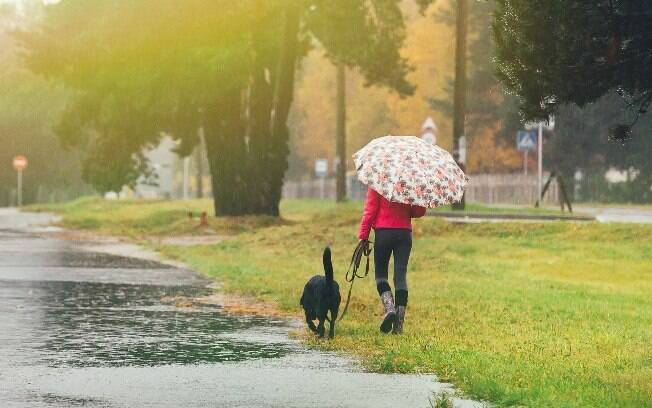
460 85
199 159
540 162
186 176
19 199
20 164
340 144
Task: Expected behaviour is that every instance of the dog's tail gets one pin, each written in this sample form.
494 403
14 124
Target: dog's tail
328 265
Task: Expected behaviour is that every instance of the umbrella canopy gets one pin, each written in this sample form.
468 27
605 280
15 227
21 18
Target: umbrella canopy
408 170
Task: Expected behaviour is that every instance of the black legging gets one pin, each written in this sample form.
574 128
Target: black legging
398 242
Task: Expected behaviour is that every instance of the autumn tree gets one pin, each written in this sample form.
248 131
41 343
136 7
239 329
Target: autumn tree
373 111
313 114
491 113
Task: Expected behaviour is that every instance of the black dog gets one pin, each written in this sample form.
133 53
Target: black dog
320 295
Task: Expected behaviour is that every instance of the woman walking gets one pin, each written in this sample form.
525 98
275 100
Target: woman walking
405 175
392 223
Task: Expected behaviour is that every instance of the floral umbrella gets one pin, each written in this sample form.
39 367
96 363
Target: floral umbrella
408 170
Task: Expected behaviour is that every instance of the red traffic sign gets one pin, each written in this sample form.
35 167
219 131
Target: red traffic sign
20 163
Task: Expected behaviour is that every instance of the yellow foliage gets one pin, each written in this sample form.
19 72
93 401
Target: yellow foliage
430 48
314 108
488 155
372 111
375 111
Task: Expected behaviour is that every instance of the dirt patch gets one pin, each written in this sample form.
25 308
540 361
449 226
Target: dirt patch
128 247
179 240
230 303
86 236
191 240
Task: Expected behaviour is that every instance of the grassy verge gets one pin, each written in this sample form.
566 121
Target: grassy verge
555 314
142 219
472 208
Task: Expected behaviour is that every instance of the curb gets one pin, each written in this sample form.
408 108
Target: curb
491 216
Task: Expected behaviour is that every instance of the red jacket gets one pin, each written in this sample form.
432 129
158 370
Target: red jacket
381 213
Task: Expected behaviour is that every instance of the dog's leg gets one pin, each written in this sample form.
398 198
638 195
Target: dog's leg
320 326
331 327
331 331
311 325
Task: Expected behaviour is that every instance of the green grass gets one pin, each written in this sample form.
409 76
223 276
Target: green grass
140 219
547 315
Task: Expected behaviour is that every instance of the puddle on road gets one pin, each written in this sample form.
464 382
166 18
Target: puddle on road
83 324
63 307
70 259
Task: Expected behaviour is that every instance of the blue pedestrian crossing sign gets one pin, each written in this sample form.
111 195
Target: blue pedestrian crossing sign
526 140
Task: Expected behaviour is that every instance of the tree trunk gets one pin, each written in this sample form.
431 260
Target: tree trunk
460 83
341 133
226 151
282 100
260 139
248 165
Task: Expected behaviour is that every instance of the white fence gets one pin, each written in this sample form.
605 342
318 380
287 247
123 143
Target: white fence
323 188
509 189
484 188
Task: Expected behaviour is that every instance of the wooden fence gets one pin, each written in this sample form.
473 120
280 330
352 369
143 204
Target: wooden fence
514 189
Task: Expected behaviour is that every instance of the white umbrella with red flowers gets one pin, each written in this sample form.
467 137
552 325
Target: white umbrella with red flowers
407 170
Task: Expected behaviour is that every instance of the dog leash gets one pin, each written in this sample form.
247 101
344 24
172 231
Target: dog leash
363 249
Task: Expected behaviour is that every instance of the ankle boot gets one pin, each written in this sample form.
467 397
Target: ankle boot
400 317
390 312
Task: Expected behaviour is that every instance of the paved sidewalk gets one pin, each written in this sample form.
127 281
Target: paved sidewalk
619 214
629 215
500 217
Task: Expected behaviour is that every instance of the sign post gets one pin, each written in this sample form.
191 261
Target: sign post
549 125
540 162
321 171
525 141
20 164
429 131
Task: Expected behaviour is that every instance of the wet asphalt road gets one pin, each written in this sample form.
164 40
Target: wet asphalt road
85 328
619 215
